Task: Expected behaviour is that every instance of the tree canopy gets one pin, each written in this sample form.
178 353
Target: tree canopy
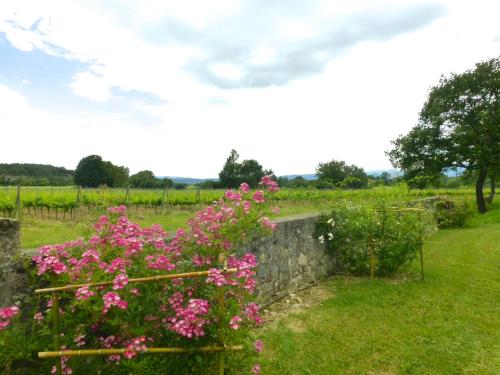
92 171
340 174
34 174
458 127
234 173
147 179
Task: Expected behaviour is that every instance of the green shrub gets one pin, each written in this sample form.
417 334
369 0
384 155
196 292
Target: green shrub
380 236
450 214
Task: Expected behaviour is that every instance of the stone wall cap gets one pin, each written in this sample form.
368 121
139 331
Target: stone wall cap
297 218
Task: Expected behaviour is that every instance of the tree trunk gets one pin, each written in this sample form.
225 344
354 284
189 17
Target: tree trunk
492 187
481 204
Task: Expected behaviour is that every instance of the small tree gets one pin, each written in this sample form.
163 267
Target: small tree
229 175
143 179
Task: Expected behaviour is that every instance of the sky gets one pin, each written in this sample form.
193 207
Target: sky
173 86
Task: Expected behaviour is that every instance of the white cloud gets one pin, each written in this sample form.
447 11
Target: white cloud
90 86
227 71
362 97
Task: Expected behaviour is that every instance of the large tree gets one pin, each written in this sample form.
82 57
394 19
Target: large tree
90 172
339 173
116 176
234 173
459 127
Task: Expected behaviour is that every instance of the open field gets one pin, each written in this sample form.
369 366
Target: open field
69 202
450 324
52 215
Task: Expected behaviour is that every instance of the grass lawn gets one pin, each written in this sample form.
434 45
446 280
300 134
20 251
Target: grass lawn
36 232
450 324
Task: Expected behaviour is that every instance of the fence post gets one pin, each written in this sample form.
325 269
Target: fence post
18 203
197 198
127 195
79 196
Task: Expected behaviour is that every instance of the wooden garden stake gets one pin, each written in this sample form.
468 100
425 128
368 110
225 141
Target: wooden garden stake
421 245
221 302
220 349
134 280
171 350
55 330
372 258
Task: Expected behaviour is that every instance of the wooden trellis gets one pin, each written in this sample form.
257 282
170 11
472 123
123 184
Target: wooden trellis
219 348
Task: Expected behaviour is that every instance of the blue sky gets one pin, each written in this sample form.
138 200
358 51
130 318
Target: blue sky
173 86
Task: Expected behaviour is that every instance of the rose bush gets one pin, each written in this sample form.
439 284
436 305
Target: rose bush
357 233
183 312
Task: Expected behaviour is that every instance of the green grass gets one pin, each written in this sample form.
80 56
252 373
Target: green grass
36 232
450 324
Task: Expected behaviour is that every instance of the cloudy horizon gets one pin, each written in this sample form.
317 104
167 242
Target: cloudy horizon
172 86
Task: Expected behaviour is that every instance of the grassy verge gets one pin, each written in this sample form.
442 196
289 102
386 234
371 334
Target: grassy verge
450 324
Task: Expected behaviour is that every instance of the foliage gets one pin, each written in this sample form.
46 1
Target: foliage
448 324
360 234
116 176
146 179
184 312
92 171
458 128
34 174
234 173
296 182
340 174
451 214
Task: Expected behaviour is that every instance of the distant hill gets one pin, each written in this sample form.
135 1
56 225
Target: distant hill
307 176
188 180
34 175
377 172
33 170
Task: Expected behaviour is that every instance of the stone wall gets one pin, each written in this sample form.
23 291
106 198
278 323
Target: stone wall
288 260
291 258
13 278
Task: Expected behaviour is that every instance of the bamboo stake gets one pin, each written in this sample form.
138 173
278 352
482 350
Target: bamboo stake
55 329
372 258
92 352
136 280
221 313
421 245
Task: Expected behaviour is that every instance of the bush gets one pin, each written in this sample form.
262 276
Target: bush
450 214
176 313
357 234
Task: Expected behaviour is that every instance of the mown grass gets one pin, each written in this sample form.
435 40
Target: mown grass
36 231
450 324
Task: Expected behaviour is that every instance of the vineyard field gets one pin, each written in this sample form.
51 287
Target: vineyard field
66 201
